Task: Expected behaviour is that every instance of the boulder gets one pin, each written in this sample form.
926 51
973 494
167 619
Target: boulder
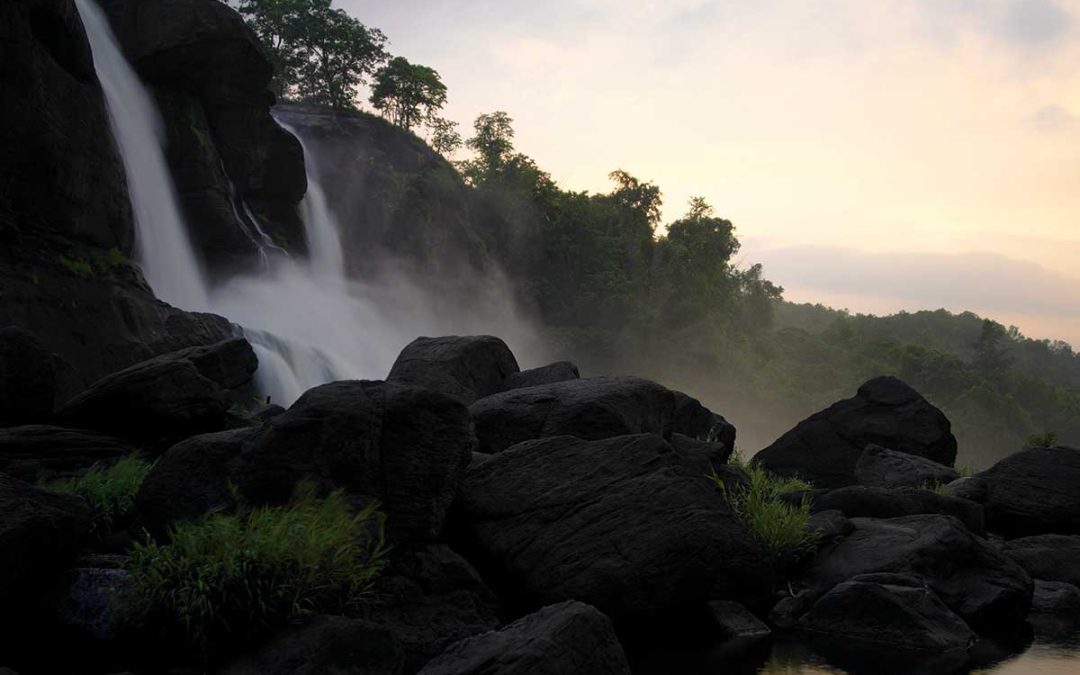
36 453
406 446
1034 492
1051 557
737 622
973 578
191 479
621 524
89 599
591 409
878 502
881 467
563 639
1055 597
230 364
707 457
464 367
830 525
696 421
560 371
430 597
40 532
825 447
324 644
971 488
888 612
27 378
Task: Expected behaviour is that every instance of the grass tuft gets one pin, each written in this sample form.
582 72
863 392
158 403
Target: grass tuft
109 490
238 575
779 526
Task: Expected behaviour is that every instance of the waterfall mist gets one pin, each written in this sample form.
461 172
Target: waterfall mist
307 321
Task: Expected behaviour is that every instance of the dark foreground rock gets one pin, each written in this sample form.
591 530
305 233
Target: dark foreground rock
1055 597
825 447
464 367
27 378
170 396
974 579
1052 557
881 467
405 446
560 371
888 611
592 409
1034 492
696 421
40 532
325 644
570 638
877 502
621 524
736 622
37 453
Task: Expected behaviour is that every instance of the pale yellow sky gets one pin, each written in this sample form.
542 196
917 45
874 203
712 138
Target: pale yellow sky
822 129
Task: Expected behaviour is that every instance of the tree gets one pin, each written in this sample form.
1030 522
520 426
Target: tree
407 93
493 144
644 198
445 138
320 54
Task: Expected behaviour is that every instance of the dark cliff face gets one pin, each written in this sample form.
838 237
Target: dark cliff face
395 198
66 227
230 160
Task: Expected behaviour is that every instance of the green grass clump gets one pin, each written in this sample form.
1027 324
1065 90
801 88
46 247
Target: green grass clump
109 490
237 575
779 526
1044 440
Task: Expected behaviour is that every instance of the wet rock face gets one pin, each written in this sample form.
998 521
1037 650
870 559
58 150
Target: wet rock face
1034 492
569 637
621 523
825 447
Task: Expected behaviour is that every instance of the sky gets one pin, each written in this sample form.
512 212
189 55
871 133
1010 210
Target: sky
875 155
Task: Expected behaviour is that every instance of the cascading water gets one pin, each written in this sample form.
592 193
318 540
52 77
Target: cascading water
162 246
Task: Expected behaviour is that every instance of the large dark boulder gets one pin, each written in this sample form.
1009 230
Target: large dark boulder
40 532
39 452
170 396
27 378
696 421
825 447
881 467
888 612
465 367
322 645
211 77
592 409
1055 597
560 371
1053 557
878 502
192 478
1034 492
620 523
972 577
406 446
570 638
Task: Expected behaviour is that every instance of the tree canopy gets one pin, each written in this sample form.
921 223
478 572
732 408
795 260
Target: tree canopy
407 93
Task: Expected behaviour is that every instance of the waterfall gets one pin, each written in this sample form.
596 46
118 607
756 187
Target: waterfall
162 247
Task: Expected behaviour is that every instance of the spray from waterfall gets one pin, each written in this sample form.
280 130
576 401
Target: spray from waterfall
163 250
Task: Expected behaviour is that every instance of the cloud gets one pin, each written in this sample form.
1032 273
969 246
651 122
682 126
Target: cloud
1034 22
1052 118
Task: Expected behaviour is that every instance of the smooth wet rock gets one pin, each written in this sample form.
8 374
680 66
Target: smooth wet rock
192 479
1055 597
570 638
1034 492
27 378
406 446
322 645
591 409
972 577
825 447
876 502
1052 557
889 611
463 367
622 524
560 371
38 453
881 467
40 532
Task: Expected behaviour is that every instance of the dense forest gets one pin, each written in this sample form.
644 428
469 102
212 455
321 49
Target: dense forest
615 289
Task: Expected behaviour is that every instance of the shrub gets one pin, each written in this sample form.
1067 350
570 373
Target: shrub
110 490
237 575
1044 440
778 525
